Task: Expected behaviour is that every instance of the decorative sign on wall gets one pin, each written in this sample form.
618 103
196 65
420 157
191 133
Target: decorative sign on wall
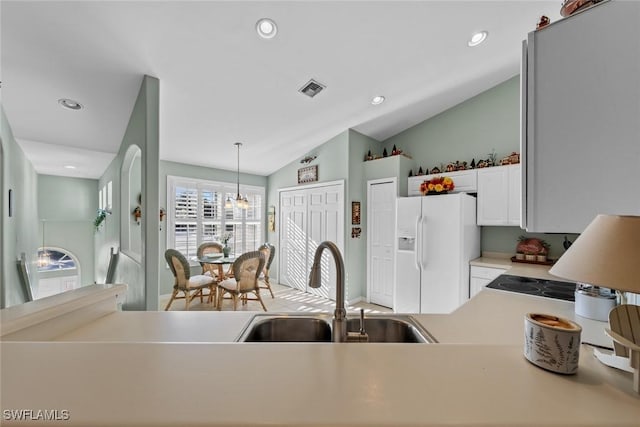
355 232
308 174
355 213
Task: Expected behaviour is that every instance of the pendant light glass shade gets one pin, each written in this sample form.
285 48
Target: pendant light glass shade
228 203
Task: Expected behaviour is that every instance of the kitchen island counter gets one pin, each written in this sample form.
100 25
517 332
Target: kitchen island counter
485 381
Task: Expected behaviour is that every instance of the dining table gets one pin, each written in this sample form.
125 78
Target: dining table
219 261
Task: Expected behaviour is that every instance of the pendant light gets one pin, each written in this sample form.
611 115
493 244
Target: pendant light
44 258
241 202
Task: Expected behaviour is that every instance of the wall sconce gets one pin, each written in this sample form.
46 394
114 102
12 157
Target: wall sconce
162 215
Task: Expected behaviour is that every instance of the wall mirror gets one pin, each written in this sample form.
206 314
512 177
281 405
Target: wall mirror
132 212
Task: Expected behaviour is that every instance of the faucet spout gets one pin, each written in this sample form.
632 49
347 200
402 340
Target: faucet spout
339 314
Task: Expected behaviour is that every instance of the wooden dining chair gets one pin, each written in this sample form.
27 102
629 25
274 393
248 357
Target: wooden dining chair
190 286
269 252
207 268
246 271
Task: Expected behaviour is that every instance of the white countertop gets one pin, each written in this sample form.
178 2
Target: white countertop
310 384
162 326
477 376
515 268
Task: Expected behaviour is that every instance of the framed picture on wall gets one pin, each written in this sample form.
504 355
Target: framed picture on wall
355 213
308 174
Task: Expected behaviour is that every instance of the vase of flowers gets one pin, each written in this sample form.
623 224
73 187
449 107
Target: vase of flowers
226 250
437 185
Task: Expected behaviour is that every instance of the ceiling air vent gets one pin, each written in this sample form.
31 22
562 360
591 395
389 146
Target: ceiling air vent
312 88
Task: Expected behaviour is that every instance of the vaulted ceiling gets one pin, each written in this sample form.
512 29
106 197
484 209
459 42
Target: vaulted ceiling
221 83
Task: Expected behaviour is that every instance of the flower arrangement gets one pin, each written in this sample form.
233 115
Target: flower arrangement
437 185
226 236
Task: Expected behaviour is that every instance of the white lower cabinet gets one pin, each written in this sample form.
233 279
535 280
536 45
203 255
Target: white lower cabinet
481 277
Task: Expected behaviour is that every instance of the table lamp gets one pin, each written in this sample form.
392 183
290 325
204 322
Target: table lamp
607 254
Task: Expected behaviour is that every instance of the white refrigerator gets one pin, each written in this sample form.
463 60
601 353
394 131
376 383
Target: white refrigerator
436 237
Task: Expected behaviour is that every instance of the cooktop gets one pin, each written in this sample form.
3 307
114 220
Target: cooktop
532 286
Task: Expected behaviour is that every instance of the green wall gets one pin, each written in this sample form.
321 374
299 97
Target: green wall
505 239
332 161
196 172
20 231
471 130
141 275
356 248
68 207
340 158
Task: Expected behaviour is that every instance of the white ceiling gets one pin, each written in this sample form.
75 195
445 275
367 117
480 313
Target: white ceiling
221 83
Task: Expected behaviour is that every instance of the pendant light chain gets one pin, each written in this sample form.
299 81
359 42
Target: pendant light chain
238 144
241 202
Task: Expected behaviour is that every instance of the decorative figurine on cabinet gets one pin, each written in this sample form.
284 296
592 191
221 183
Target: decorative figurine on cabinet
544 21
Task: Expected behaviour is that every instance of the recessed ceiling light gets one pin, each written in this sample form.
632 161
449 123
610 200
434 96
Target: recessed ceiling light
69 167
377 100
266 28
477 38
70 104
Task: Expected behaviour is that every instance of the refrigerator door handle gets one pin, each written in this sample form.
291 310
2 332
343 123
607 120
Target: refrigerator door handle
418 244
423 238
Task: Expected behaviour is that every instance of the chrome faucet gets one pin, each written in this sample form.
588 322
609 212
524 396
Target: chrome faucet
340 314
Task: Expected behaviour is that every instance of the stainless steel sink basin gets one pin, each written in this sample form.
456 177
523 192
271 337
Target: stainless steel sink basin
385 329
317 328
287 329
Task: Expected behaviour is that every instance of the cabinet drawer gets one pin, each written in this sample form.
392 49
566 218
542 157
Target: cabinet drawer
488 273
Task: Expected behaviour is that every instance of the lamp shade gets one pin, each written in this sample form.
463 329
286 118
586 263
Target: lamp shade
606 254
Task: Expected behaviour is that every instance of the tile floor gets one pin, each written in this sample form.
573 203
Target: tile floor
285 299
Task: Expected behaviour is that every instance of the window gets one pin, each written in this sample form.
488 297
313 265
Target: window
197 215
58 272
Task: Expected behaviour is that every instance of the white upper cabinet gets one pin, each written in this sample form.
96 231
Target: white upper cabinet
581 118
499 195
465 181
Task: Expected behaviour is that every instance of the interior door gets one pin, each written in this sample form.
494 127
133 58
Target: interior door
293 239
326 222
309 216
381 223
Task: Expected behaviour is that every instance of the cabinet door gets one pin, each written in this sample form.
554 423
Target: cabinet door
513 205
481 277
493 196
581 122
476 284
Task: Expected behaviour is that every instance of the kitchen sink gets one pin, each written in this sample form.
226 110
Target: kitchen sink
385 329
317 328
287 329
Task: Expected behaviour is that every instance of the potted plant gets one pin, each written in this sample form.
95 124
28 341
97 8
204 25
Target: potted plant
224 239
102 216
